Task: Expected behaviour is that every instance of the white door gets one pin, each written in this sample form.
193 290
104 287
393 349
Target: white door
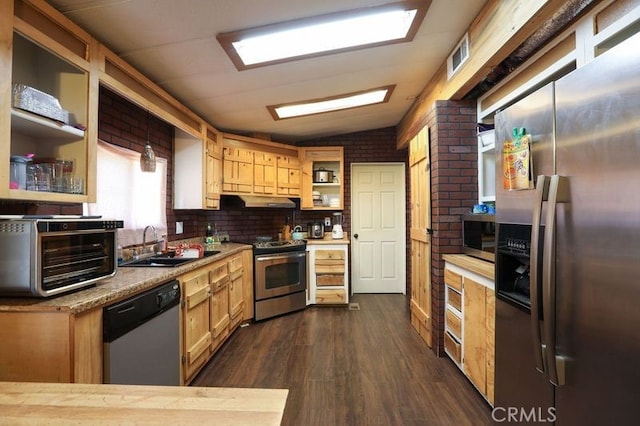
378 237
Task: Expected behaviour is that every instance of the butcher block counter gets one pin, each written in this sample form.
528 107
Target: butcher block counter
479 266
66 403
328 239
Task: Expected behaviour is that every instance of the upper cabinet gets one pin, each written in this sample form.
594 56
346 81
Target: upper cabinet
257 167
486 166
288 175
48 106
322 178
197 174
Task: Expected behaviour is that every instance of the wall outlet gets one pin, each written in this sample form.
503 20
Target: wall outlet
327 221
179 227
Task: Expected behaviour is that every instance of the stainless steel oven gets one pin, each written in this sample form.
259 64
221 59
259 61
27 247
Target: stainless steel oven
47 256
280 278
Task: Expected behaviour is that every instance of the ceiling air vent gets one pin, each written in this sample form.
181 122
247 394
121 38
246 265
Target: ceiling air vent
458 57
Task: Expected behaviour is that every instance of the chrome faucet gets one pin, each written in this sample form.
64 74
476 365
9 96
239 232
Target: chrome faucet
144 237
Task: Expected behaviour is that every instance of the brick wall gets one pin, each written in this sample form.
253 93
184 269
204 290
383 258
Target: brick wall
374 146
454 191
124 124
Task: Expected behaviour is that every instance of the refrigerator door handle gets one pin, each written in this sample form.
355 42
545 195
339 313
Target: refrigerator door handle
558 189
542 191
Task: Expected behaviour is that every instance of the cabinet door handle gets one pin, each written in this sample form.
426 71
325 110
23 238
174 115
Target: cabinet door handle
355 236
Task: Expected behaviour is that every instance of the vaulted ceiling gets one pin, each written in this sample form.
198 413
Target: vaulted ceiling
174 44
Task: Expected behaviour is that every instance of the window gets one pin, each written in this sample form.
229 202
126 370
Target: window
125 192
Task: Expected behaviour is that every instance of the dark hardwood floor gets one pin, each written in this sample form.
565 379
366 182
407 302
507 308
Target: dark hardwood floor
349 367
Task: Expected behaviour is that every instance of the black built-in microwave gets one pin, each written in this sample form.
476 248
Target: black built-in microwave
479 236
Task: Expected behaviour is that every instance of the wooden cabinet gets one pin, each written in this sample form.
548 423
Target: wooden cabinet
328 274
316 158
288 176
48 53
196 333
51 346
264 173
256 167
236 297
470 326
237 166
420 236
197 172
219 279
213 301
474 360
213 170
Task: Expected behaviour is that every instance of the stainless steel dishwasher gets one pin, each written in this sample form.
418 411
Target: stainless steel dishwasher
142 338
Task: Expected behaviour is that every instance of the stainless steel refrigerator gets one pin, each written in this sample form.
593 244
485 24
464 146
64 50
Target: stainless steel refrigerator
568 255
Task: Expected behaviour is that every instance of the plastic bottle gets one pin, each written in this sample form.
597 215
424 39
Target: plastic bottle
209 234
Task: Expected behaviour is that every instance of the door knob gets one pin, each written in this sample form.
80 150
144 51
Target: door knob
355 236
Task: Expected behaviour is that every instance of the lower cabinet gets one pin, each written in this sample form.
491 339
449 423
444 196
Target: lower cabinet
213 306
328 274
219 278
236 300
51 346
196 333
470 326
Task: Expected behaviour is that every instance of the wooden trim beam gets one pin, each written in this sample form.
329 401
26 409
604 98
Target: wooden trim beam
496 32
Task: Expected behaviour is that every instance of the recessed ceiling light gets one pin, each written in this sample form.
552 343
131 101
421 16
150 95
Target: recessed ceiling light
333 103
323 35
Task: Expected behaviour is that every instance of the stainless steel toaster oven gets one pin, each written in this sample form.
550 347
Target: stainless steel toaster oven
47 256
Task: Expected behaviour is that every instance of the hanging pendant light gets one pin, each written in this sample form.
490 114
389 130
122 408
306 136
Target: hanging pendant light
148 157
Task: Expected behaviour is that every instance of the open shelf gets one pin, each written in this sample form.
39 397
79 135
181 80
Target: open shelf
36 126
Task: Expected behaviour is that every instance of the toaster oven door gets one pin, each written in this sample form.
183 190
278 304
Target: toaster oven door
72 260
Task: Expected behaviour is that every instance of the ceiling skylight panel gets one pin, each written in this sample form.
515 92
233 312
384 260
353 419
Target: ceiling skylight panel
325 34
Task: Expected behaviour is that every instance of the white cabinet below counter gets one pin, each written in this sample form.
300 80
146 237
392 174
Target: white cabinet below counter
328 272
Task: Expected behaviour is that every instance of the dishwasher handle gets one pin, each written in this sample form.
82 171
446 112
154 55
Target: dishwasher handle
122 317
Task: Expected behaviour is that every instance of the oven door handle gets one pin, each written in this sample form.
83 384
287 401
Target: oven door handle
261 258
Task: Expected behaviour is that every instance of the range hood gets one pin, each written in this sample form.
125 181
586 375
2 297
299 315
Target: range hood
260 201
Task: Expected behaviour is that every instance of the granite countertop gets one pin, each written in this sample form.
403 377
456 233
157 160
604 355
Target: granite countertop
126 282
74 403
473 264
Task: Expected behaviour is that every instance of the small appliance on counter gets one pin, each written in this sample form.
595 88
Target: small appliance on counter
315 230
49 255
336 232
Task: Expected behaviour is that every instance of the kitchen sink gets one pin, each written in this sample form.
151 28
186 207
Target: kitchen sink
164 261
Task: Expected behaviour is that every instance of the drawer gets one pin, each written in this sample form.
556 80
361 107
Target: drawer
454 299
330 255
235 263
452 347
337 296
454 324
452 279
330 280
219 275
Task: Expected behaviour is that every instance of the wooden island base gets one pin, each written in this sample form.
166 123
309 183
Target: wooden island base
72 403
